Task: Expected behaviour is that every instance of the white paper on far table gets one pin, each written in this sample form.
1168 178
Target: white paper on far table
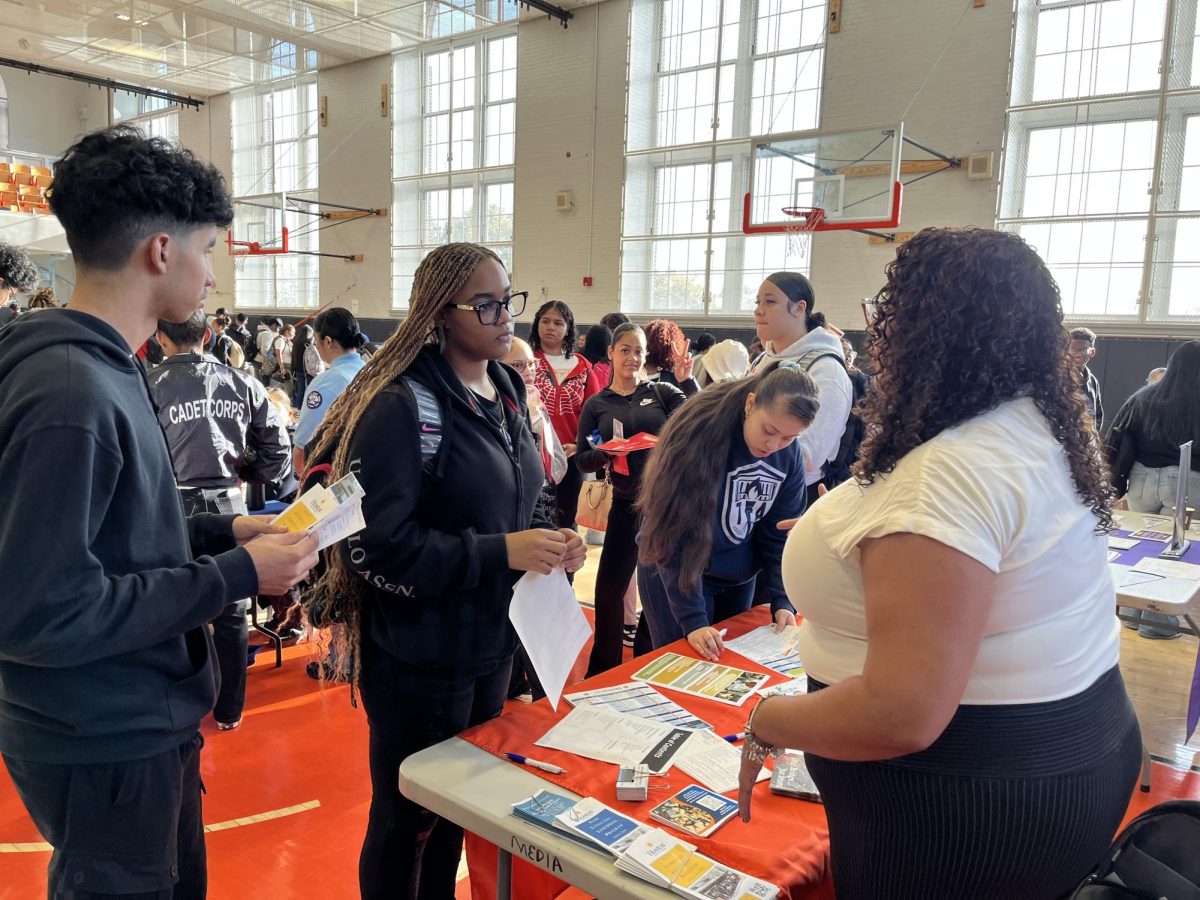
1120 543
1169 568
551 626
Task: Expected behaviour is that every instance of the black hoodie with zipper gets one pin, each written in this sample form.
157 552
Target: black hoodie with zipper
434 550
104 651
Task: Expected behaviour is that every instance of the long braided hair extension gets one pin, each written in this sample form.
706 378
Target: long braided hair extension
339 593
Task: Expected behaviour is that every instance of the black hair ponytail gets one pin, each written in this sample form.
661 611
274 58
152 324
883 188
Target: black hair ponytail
339 323
798 288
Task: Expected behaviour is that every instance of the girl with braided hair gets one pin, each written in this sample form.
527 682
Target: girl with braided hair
423 591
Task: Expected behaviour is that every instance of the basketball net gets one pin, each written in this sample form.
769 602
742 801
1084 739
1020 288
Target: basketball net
802 222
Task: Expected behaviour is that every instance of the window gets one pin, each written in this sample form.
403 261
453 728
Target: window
274 134
704 77
3 115
453 148
1101 170
155 116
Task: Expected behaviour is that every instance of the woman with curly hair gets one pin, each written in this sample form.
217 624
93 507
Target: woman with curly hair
959 629
423 591
565 380
667 357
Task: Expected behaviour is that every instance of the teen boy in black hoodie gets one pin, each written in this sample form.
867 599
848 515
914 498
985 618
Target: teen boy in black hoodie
105 661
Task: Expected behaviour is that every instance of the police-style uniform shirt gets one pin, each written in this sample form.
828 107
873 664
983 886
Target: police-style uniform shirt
323 390
219 423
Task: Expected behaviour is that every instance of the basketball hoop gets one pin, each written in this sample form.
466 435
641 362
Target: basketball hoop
240 251
802 221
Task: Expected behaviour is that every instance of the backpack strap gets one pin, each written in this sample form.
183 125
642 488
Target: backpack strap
429 418
812 357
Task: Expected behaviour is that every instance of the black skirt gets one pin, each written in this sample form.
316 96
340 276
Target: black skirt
1015 802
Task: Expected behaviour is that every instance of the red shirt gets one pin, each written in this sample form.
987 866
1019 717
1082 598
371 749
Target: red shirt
564 402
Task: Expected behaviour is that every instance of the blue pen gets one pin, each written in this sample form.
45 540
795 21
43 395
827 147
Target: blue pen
537 764
734 738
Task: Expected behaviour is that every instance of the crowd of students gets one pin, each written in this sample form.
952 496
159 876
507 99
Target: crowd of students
957 606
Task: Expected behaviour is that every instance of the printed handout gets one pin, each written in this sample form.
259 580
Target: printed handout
711 681
641 700
599 733
333 513
713 761
776 652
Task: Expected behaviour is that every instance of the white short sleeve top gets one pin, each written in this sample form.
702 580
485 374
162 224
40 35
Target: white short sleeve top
997 488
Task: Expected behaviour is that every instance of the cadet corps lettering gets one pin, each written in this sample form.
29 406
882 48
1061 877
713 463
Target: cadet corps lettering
535 855
206 409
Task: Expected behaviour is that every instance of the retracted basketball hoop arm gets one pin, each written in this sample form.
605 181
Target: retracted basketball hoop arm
336 214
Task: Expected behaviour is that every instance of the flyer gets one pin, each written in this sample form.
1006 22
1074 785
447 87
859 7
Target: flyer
712 681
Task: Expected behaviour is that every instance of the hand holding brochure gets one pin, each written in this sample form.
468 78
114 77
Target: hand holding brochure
333 513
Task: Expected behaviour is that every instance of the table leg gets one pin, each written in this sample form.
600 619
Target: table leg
1146 768
503 874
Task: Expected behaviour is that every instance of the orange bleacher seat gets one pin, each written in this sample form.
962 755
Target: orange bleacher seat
3 167
40 170
9 199
21 178
19 167
26 189
7 187
43 181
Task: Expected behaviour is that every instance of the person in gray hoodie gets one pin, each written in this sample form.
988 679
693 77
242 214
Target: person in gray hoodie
791 332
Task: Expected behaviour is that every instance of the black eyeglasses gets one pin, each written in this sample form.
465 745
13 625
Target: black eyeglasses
489 312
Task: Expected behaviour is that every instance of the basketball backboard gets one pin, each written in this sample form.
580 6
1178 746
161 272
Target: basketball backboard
258 226
853 176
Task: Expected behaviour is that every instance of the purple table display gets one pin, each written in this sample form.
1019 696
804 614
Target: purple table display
1147 548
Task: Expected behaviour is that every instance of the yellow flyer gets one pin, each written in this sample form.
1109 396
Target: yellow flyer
711 681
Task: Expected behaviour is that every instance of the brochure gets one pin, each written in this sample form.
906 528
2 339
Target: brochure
713 761
639 700
791 779
712 681
600 733
695 810
776 652
787 689
541 810
666 861
602 826
333 513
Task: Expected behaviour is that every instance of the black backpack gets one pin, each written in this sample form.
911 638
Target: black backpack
1156 856
837 470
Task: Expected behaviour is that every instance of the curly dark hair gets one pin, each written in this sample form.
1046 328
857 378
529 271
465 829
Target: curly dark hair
116 187
970 318
569 340
661 337
17 270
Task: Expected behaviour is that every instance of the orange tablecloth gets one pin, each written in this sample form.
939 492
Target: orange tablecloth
786 843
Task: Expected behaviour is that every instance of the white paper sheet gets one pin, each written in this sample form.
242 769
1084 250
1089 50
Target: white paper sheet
776 652
1158 593
641 700
713 761
1169 568
1125 576
599 733
1120 543
551 626
340 524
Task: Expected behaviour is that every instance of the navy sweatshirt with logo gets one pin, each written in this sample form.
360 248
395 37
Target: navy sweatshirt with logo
753 497
105 653
434 550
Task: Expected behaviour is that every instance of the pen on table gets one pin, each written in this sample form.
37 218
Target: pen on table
536 764
734 738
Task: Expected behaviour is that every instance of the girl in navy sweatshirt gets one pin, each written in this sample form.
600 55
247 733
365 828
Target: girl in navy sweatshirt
638 406
719 483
